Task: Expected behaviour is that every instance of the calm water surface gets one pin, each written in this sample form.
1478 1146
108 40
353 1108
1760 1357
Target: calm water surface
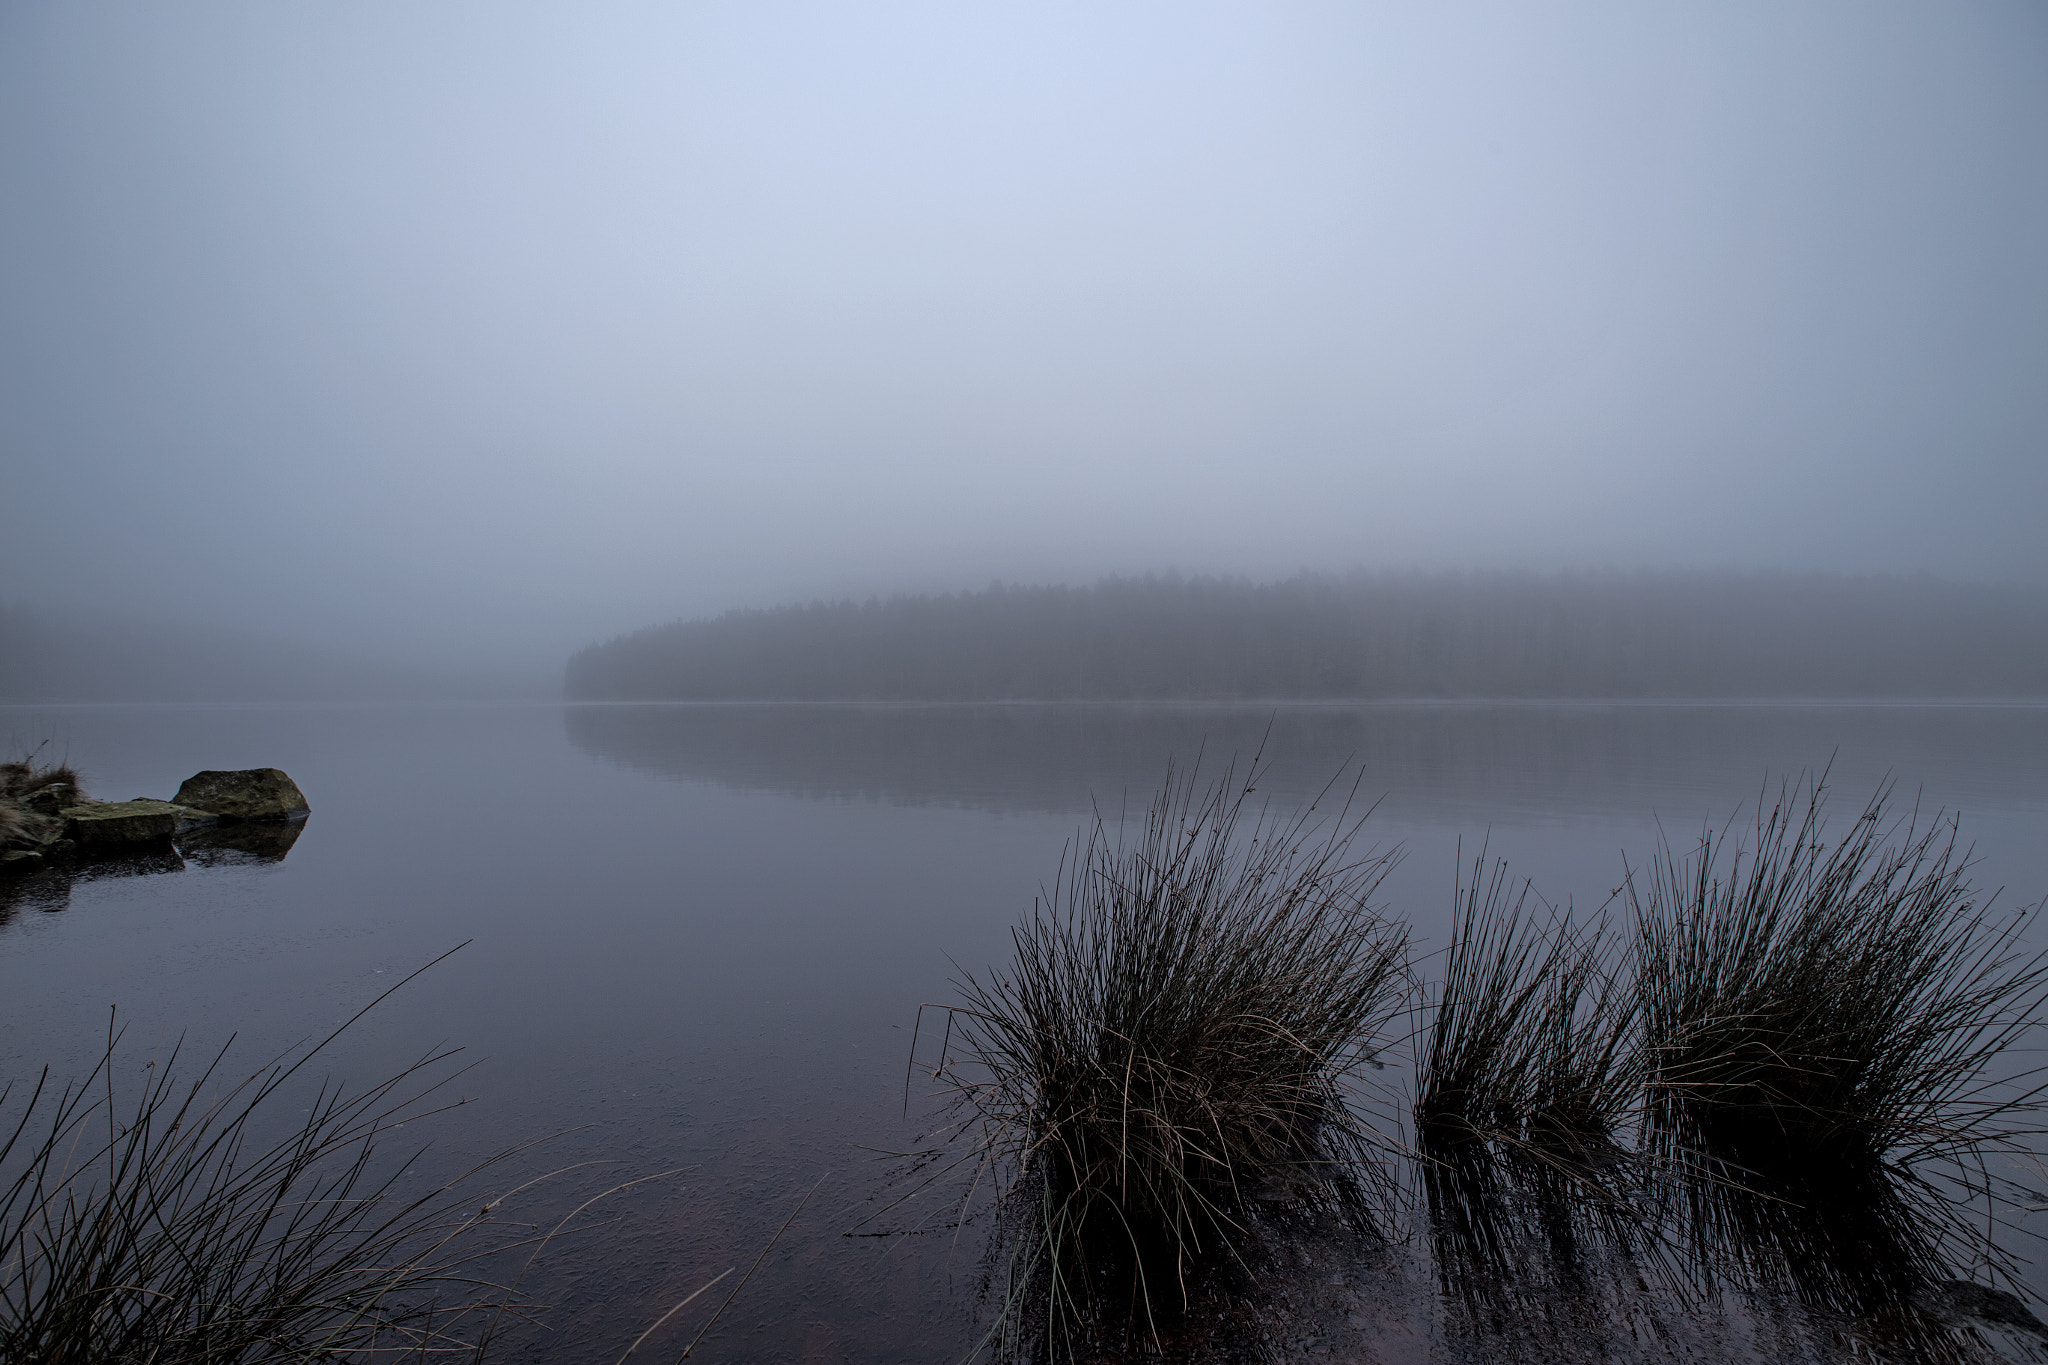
698 935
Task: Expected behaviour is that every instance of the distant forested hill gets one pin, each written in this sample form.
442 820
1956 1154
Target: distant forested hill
1689 634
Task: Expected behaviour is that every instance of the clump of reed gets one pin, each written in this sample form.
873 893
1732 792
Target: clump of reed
195 1224
1789 1069
1178 1038
1848 1002
1526 1084
1790 1053
1530 1039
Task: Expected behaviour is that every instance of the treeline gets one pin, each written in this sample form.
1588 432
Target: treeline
1454 635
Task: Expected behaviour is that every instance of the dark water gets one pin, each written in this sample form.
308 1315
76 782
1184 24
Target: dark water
699 936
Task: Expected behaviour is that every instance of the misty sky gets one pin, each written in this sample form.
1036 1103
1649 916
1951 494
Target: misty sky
467 330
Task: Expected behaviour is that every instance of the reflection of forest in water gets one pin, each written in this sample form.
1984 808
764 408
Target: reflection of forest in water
209 846
1426 760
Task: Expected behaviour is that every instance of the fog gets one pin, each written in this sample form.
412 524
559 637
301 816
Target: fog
466 334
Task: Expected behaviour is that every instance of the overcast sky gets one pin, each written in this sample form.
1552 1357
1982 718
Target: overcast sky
487 329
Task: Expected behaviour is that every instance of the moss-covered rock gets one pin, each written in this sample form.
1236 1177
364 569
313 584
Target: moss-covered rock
113 826
247 794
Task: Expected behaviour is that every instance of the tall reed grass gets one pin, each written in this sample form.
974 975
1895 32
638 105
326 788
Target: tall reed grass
1527 1079
1530 1031
1851 1002
1180 1035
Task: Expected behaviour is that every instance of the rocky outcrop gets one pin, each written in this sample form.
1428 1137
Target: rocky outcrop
253 815
246 795
115 826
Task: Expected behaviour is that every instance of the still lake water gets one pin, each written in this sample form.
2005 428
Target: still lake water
698 934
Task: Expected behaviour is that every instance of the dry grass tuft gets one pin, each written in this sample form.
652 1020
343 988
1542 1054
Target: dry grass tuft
29 782
31 794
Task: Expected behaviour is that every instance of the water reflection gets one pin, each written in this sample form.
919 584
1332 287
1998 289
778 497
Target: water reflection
48 889
1432 761
1501 1222
1537 1261
730 994
240 845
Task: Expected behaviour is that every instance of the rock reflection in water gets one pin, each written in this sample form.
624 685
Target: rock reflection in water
214 846
49 890
238 845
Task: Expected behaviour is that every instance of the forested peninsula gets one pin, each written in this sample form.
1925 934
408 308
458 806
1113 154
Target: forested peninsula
1368 636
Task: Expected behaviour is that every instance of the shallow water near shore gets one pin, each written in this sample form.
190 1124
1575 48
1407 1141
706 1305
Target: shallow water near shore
698 936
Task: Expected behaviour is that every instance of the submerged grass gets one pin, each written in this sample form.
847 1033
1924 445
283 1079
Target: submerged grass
1178 1038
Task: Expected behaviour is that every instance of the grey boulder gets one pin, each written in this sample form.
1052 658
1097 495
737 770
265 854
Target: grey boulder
250 794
